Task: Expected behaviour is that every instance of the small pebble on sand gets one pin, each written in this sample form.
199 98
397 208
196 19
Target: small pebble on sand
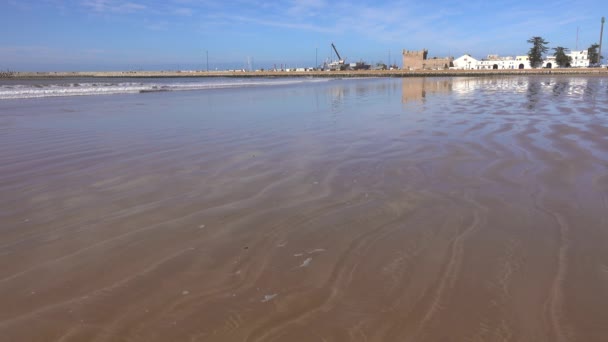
269 297
306 262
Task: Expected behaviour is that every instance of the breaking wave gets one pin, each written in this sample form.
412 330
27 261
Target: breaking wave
28 91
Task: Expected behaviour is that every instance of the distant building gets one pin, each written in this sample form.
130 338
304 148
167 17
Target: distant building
580 59
491 62
465 62
549 62
495 62
417 60
523 62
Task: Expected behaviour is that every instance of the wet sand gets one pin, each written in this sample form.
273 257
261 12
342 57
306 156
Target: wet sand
461 209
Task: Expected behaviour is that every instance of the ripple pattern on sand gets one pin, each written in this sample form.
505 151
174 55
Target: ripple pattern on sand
465 209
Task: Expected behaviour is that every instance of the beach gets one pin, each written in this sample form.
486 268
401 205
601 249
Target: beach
364 209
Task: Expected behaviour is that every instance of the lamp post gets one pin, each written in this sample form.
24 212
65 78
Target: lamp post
599 57
207 53
316 57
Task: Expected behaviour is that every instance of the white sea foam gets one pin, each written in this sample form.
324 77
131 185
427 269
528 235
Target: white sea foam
26 91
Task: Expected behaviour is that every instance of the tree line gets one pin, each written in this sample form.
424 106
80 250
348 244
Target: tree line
539 47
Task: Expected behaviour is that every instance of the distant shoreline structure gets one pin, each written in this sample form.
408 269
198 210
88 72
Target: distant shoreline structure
347 73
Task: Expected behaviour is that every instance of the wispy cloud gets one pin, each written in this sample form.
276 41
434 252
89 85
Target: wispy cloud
156 25
183 11
306 7
113 6
21 5
280 23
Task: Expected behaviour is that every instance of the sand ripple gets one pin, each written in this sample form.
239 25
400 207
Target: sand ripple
350 210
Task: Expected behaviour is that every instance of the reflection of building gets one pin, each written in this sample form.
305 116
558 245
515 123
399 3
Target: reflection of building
417 60
465 86
491 84
416 89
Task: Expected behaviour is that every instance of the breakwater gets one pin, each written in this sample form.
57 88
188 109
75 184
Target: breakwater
7 74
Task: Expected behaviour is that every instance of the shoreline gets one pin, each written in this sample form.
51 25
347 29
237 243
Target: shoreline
343 74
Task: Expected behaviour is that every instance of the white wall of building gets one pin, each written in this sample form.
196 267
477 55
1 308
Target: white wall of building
523 60
467 62
580 59
549 62
500 64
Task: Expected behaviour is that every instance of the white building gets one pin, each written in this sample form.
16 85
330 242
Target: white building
494 62
465 62
491 62
580 59
523 62
549 62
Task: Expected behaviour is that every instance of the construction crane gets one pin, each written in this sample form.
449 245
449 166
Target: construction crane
337 54
339 64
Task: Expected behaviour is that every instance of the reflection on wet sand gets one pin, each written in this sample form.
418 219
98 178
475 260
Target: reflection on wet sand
416 88
345 211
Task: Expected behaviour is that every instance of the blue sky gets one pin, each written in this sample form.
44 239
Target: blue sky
136 34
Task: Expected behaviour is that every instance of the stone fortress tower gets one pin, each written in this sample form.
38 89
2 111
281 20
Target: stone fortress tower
418 60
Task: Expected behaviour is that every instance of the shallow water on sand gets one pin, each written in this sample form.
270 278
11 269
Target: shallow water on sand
448 209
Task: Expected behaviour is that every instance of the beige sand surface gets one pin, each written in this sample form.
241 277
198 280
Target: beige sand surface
484 222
